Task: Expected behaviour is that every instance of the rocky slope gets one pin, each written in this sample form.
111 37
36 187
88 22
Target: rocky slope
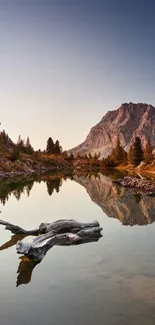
127 122
120 203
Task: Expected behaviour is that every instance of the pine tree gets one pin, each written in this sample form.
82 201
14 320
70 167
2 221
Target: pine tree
28 147
20 143
89 155
15 154
50 146
137 155
148 156
71 157
118 154
65 154
57 148
95 156
130 154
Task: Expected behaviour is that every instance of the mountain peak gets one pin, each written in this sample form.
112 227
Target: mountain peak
128 121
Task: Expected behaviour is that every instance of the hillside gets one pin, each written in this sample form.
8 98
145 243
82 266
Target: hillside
127 122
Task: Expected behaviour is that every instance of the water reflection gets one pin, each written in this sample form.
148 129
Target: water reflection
53 184
24 186
128 207
26 264
25 269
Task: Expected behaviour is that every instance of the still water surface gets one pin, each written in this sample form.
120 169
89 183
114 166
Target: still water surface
109 282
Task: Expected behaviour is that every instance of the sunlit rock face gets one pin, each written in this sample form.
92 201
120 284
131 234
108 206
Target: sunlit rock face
127 122
118 202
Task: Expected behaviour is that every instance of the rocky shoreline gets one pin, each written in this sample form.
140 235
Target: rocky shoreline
141 185
26 167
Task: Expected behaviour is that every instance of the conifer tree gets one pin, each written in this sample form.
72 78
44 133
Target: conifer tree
148 156
71 156
65 154
20 143
57 147
118 154
28 147
137 155
15 154
50 146
130 154
90 155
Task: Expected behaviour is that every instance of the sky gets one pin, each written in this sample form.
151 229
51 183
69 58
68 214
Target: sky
65 63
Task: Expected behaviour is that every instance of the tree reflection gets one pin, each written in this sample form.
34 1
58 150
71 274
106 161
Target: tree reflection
19 187
53 184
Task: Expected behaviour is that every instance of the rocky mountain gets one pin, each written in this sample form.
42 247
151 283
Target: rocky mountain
118 202
127 122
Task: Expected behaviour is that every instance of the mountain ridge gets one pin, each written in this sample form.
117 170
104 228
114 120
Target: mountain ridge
127 122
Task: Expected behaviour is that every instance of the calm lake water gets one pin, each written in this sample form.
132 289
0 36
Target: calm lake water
109 282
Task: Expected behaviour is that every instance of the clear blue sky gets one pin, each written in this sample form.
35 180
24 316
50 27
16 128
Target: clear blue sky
65 63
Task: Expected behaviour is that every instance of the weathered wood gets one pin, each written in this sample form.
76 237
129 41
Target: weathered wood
38 248
18 230
60 232
58 226
89 232
66 225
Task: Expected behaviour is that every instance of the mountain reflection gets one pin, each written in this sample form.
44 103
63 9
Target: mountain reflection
117 202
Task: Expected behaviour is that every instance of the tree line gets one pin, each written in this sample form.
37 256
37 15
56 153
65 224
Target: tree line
25 147
134 156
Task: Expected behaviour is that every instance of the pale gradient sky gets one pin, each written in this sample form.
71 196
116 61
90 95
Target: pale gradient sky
65 63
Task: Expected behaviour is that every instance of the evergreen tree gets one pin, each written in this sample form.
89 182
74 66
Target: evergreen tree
130 154
50 187
118 154
71 157
90 155
85 156
28 147
148 156
20 143
137 155
15 154
50 148
57 147
95 156
65 154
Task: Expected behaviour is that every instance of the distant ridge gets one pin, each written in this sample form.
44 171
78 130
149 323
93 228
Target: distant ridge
128 121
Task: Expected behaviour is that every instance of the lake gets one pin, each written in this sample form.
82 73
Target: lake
111 281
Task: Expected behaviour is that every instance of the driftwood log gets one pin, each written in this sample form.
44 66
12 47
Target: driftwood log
61 232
